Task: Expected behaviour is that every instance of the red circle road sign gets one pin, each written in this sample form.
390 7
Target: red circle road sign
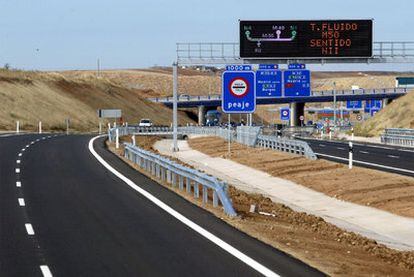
239 87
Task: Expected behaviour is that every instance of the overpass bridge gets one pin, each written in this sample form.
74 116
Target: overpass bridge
297 104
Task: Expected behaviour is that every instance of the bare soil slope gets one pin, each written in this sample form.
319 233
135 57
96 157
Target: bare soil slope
398 114
51 98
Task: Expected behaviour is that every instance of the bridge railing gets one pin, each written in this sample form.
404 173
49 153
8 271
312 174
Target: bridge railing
397 136
179 175
169 99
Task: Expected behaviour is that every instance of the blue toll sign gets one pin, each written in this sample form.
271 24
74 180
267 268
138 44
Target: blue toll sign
354 104
238 92
284 114
297 83
268 83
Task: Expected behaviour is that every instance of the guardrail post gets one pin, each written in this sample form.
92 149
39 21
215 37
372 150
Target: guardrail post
215 199
196 190
205 195
174 179
181 182
188 184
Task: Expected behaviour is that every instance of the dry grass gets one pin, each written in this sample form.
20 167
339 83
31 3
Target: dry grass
398 114
51 98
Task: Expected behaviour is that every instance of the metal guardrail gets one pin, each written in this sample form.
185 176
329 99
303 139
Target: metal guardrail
396 136
188 130
189 98
286 145
244 134
174 173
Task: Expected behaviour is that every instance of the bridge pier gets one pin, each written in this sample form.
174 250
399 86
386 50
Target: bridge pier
201 115
296 110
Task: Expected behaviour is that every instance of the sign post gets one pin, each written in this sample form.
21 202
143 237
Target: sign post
238 92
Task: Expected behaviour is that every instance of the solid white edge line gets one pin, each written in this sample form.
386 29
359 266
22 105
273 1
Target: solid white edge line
46 271
18 184
21 202
29 229
367 163
203 232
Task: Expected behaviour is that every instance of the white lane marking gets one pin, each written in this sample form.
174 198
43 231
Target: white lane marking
18 184
43 138
394 157
364 152
37 139
29 229
367 163
20 154
32 142
18 161
340 148
203 232
322 145
24 149
46 271
27 145
17 170
21 202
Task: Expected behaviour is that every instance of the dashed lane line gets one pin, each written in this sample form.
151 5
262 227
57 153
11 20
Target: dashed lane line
46 271
17 170
21 202
18 184
393 156
29 229
18 161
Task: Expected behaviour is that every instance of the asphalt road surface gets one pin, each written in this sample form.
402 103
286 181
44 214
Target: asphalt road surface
63 214
386 158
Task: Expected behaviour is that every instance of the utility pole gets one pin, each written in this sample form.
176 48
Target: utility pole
98 73
175 108
334 97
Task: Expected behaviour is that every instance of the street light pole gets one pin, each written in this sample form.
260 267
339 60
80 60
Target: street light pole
175 108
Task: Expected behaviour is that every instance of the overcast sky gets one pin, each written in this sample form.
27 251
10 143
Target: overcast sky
73 34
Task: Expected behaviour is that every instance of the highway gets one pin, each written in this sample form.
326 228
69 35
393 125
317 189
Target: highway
62 213
386 158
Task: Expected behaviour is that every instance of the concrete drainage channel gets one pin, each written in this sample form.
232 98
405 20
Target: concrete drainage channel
176 174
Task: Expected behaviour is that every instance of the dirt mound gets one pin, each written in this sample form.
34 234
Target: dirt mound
51 98
398 114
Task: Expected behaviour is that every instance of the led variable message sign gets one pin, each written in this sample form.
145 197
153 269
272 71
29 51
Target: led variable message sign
306 39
